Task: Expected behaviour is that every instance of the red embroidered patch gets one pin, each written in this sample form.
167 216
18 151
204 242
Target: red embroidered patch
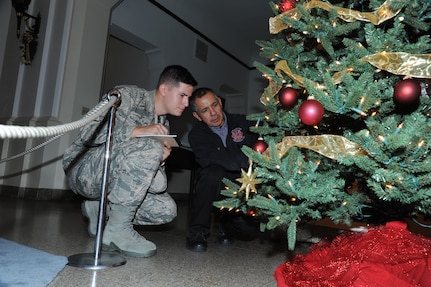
237 135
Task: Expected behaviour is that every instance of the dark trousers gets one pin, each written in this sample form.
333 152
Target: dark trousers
207 190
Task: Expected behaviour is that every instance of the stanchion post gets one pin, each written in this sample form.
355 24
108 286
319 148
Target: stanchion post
97 259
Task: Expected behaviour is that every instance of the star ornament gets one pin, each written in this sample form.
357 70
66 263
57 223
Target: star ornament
248 181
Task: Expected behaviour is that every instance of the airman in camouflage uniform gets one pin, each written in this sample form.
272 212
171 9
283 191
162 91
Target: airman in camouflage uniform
137 180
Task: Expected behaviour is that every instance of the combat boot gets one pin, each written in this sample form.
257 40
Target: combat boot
90 209
119 234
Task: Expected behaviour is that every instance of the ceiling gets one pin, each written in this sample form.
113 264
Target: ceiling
232 25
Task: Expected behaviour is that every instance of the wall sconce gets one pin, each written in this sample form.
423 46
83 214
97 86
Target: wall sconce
29 38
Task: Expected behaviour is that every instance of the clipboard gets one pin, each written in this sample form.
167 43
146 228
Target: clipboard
171 139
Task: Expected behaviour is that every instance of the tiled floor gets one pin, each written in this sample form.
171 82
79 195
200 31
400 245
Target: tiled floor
59 228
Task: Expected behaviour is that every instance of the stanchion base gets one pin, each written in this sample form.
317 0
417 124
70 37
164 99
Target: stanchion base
87 261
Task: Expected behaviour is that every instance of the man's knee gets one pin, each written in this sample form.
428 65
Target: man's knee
212 173
144 151
156 209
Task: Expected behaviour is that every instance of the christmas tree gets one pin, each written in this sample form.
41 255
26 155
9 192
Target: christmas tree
346 124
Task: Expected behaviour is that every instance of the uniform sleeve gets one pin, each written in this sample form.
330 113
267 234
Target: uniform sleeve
127 116
136 109
94 134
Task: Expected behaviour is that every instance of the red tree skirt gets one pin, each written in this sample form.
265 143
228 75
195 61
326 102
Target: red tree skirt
389 256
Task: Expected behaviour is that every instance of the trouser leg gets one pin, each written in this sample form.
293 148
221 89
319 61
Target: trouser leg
133 167
207 190
156 209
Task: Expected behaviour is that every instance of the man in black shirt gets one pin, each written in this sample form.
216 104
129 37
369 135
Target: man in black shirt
216 142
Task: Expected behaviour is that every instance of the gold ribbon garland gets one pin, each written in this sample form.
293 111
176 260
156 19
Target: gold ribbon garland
283 68
331 146
383 13
400 63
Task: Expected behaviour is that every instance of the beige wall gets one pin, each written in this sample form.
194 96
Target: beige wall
65 75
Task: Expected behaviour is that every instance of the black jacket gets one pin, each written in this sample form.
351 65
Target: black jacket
208 148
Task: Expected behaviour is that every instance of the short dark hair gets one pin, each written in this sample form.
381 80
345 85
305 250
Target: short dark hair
197 94
175 74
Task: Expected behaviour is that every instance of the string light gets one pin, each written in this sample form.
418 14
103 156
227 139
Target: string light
358 110
291 186
383 140
272 198
420 144
399 128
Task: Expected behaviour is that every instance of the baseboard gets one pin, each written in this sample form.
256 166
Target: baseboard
55 194
36 193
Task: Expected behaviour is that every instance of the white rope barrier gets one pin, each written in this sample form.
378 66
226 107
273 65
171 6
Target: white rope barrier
8 132
31 150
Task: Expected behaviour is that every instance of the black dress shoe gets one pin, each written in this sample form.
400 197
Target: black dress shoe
224 239
197 242
240 226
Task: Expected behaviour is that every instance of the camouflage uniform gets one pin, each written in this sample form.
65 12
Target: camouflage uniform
136 177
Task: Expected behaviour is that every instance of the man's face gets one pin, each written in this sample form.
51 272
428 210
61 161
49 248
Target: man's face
176 98
209 110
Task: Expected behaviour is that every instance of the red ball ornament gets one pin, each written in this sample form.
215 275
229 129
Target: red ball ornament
407 92
286 5
311 112
288 97
260 146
